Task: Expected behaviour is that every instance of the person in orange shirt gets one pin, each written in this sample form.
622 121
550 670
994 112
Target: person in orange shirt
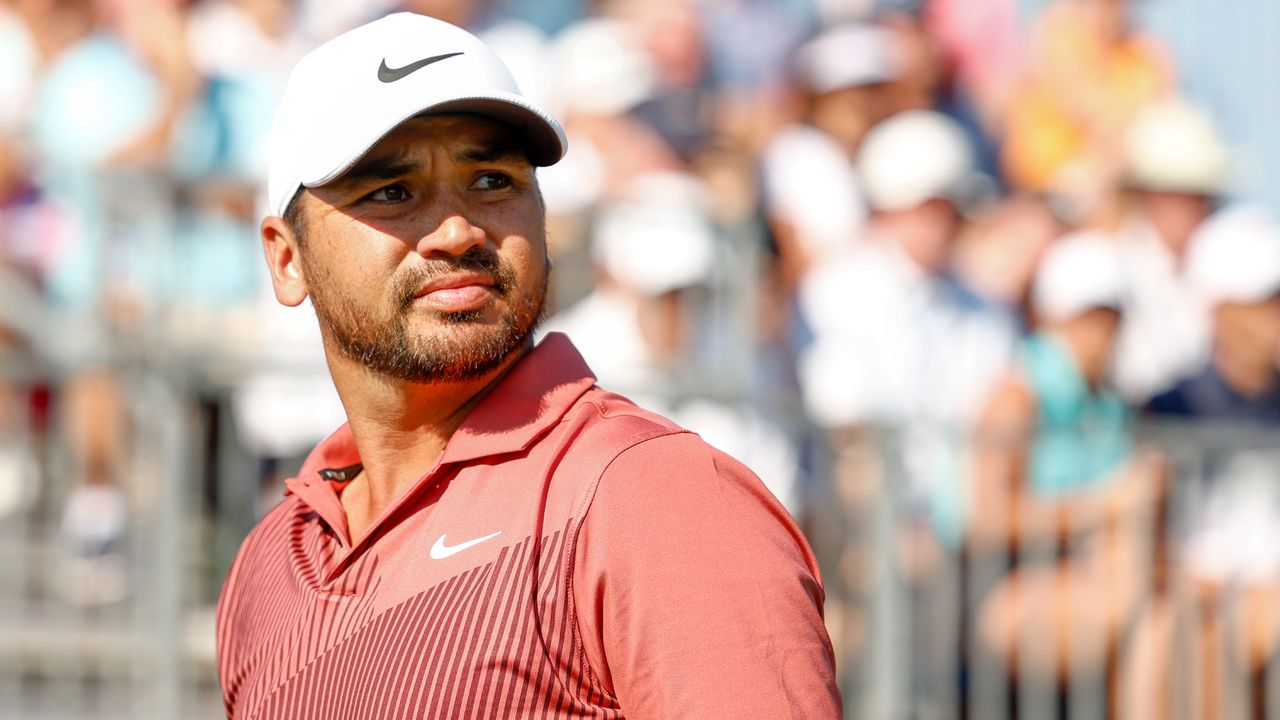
1089 73
490 534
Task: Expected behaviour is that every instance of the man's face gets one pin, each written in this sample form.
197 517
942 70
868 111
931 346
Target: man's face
925 232
1175 215
1249 333
848 113
1093 335
427 262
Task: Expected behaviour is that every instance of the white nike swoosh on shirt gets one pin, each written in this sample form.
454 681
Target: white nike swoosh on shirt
440 551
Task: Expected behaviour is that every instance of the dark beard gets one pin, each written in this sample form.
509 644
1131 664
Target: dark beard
458 350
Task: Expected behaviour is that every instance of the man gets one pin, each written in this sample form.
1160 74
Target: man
1053 464
1176 172
491 535
885 313
1229 550
1233 264
814 200
894 344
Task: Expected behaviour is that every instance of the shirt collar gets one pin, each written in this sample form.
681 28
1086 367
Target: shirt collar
526 403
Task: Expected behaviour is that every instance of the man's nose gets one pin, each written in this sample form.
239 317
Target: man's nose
450 231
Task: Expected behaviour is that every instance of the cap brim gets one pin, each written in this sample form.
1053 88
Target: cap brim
544 140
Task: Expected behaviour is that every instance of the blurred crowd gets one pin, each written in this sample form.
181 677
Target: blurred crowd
788 225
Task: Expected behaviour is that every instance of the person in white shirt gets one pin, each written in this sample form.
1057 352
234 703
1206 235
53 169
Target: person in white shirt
1176 170
895 345
813 197
894 342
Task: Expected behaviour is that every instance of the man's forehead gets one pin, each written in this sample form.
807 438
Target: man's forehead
463 135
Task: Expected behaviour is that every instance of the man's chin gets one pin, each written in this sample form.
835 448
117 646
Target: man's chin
458 333
466 351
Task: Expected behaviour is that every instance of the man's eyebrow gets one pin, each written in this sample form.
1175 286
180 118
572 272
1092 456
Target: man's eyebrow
489 152
377 169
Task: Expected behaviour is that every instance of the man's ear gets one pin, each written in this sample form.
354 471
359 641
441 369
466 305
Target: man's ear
284 261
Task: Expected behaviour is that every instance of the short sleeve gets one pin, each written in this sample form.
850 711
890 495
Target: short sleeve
696 594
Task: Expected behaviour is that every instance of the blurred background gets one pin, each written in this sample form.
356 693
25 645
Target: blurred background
986 291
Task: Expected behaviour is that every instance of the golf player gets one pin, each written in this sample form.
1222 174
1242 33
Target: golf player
491 534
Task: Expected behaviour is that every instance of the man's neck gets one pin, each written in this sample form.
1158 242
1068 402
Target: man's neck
400 429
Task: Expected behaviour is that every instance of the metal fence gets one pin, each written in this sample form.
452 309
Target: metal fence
105 605
1153 594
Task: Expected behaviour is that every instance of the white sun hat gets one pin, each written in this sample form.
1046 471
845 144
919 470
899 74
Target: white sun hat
1173 146
1078 273
914 157
347 94
1234 256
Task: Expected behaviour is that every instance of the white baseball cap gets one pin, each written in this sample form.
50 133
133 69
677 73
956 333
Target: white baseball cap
1234 256
601 68
658 236
851 55
346 95
1078 273
914 157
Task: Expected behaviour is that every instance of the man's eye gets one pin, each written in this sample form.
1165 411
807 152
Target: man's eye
390 194
492 181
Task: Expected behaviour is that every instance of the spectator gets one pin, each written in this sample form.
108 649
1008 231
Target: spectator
1234 263
749 43
883 315
1054 466
813 196
1088 74
1053 427
932 67
1228 560
682 106
600 73
1176 170
285 402
244 49
883 312
115 86
130 66
636 326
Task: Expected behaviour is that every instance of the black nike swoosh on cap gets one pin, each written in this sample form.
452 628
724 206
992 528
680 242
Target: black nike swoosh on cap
389 75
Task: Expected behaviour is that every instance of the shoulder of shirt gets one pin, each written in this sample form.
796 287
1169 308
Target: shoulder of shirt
618 427
616 422
271 525
610 426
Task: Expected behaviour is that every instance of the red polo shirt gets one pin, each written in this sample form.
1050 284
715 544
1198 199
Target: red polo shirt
569 556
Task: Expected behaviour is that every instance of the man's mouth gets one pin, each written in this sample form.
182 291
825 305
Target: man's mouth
456 292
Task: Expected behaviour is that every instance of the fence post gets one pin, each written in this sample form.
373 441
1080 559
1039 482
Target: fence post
165 429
